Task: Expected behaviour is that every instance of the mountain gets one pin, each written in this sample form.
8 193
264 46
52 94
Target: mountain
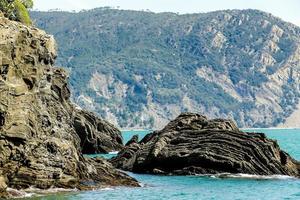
141 69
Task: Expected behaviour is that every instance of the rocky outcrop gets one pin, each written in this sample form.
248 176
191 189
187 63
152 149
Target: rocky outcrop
134 139
39 135
96 135
192 144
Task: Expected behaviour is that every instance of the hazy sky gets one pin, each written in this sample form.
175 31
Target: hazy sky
289 10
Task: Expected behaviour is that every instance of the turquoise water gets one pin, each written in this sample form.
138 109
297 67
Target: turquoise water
127 135
288 139
197 187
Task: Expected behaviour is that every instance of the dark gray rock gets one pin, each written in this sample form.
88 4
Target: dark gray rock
134 139
192 144
96 135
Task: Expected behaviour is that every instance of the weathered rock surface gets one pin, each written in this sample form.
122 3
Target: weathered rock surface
192 144
96 135
39 145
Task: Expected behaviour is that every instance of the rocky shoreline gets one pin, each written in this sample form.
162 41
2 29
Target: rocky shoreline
42 134
192 144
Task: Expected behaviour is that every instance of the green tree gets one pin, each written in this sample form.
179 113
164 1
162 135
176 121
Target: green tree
17 10
27 3
6 6
21 12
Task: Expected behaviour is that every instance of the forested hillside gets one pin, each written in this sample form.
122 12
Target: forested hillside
141 69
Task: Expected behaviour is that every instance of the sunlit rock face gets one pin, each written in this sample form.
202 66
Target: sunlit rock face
39 145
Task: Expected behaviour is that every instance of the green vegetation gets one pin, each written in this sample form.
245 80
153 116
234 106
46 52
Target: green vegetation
165 51
17 10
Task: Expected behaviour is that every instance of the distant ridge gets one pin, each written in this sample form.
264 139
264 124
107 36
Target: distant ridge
140 69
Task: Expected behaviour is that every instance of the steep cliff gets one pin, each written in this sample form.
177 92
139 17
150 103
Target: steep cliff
142 69
39 141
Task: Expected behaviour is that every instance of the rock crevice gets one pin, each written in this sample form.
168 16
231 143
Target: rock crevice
39 143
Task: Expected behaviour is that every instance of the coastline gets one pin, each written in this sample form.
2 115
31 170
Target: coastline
270 128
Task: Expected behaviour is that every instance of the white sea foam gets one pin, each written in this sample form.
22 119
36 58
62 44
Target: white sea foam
32 191
251 176
50 190
19 193
108 188
142 184
113 152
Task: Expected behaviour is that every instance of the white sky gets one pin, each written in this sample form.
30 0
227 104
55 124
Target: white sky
288 10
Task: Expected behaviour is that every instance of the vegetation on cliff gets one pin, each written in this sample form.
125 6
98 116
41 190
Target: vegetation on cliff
141 69
16 10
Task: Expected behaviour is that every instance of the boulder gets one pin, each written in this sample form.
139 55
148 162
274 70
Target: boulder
193 144
40 144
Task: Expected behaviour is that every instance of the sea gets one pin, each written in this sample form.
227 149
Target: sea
236 187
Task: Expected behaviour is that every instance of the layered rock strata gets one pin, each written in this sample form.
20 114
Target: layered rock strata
193 144
96 135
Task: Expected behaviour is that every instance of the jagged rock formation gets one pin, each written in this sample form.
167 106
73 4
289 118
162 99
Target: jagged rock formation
96 135
143 69
134 139
39 145
192 144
